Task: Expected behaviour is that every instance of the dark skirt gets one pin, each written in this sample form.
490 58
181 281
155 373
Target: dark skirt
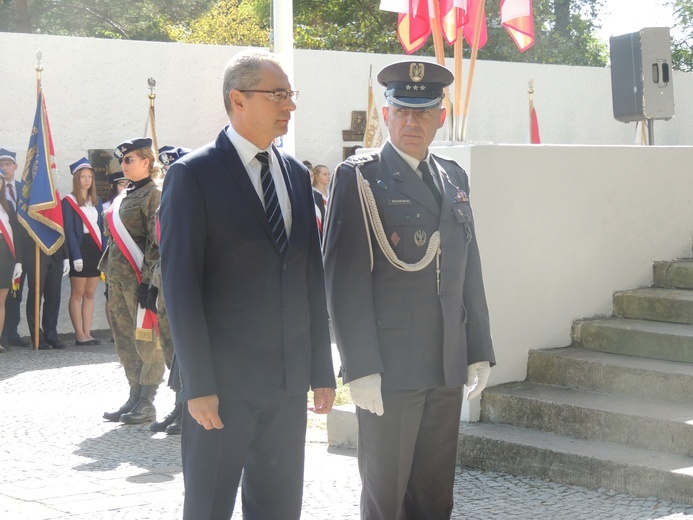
6 265
91 254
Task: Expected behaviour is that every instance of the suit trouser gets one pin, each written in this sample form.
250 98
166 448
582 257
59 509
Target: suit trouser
13 304
407 456
50 278
262 438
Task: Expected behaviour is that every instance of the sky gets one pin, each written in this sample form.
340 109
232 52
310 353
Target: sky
627 16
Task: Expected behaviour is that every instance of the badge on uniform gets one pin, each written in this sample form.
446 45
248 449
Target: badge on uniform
420 237
381 184
461 196
395 239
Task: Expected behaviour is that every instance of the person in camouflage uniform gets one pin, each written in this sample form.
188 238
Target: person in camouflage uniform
171 423
138 350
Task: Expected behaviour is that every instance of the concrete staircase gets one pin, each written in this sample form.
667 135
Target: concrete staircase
614 410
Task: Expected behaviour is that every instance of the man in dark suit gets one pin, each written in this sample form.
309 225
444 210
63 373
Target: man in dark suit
407 301
244 288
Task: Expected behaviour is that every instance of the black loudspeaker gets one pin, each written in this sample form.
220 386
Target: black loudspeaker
641 75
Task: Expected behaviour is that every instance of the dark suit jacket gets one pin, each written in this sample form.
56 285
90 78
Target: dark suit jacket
74 229
246 321
395 322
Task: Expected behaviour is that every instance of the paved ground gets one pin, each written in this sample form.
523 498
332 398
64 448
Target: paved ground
60 460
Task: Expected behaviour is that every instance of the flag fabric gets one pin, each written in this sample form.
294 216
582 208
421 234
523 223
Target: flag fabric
413 23
373 136
453 16
38 203
533 126
518 20
470 24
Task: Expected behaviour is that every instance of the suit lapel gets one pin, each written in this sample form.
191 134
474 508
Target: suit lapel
236 170
449 189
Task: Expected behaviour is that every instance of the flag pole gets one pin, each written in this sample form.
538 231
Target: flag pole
530 91
459 49
37 262
152 96
472 64
439 49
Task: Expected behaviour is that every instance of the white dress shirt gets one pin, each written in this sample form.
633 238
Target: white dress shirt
247 152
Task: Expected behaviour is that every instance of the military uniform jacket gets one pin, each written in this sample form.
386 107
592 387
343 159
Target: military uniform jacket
137 212
394 322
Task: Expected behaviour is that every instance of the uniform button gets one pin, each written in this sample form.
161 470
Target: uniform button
442 296
444 223
283 267
378 322
407 218
286 306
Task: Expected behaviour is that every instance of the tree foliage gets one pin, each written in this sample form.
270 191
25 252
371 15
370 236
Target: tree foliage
126 19
564 29
682 46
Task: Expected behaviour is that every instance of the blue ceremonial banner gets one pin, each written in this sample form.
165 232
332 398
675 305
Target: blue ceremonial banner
38 206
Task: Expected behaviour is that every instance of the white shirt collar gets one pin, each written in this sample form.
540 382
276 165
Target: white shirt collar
414 163
246 150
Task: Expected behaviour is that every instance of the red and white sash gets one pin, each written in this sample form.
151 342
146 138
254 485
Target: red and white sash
94 232
146 319
6 231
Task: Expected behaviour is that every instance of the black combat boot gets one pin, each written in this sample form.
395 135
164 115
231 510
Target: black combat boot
162 425
144 410
129 405
175 427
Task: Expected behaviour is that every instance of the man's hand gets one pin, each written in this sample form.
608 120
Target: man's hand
366 394
205 410
323 399
477 377
142 294
152 295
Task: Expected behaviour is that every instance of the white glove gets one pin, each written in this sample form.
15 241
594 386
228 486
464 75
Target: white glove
78 265
66 267
477 377
366 394
17 271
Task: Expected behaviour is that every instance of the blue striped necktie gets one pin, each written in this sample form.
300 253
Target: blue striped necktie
272 208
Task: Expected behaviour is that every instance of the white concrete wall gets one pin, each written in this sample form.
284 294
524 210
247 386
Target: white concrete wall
560 227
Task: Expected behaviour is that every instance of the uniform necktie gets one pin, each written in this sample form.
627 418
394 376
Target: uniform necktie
11 188
428 180
272 208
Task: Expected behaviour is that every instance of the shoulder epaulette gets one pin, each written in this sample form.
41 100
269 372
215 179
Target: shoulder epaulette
357 160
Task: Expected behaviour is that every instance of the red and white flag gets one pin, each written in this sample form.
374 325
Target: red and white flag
453 16
533 127
470 24
413 24
518 20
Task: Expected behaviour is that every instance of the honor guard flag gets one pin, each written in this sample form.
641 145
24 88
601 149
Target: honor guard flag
373 136
534 127
38 203
517 18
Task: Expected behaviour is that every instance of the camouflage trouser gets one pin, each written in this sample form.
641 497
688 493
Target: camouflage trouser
164 330
142 360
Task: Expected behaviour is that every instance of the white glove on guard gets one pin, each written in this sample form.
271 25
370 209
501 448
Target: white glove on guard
17 271
66 267
78 265
366 394
477 378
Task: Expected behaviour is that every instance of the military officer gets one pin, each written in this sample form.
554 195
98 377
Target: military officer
127 261
407 302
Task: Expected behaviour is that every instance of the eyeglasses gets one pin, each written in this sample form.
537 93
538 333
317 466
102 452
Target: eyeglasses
276 95
6 163
130 160
123 183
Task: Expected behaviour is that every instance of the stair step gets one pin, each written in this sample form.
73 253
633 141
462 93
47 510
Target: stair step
612 373
648 339
631 421
591 464
655 304
674 274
